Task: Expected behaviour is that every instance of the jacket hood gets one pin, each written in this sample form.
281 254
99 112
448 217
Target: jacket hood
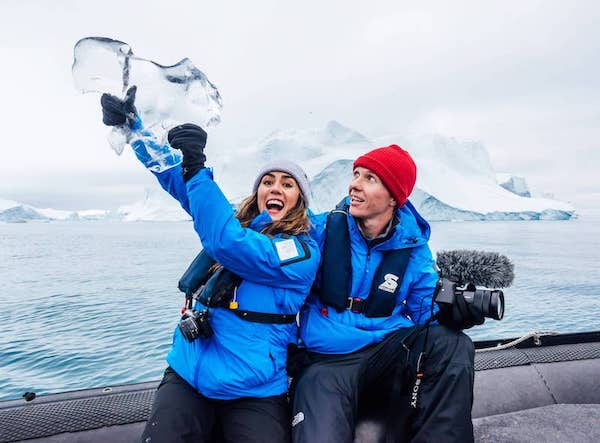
413 222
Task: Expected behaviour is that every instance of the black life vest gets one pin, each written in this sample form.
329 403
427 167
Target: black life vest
336 271
217 289
197 274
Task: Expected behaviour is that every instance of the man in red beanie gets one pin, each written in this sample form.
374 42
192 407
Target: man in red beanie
366 328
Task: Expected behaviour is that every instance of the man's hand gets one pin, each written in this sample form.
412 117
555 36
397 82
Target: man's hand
459 315
191 140
117 112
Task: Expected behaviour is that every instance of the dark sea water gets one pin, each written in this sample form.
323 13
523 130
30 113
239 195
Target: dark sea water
92 304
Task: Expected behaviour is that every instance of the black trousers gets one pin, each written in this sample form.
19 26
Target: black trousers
328 392
181 414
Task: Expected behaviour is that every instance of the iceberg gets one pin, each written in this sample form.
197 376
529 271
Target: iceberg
455 180
459 175
156 205
330 185
313 148
86 214
15 212
515 184
20 213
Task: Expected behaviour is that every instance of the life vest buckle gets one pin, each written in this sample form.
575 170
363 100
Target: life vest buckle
356 304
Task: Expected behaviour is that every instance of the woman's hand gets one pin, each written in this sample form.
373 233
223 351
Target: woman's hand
190 139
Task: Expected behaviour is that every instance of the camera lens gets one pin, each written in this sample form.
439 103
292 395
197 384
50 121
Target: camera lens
489 302
497 305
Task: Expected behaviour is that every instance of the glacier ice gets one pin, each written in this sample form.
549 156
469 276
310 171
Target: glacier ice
456 181
166 95
435 210
20 213
156 205
15 212
330 185
515 184
336 134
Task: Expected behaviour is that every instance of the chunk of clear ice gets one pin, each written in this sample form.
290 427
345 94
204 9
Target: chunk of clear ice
166 95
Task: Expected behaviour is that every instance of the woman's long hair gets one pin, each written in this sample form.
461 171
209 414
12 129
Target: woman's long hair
295 222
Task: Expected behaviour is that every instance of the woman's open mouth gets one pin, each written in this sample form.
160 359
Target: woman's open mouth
274 206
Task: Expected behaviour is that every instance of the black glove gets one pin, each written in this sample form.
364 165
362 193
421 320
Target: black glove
116 112
191 140
460 314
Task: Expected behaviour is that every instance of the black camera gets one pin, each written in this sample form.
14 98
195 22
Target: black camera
195 324
490 302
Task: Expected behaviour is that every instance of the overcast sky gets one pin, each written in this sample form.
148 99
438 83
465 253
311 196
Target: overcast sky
523 77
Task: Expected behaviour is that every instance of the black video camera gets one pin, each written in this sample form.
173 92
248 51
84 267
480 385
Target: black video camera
462 271
490 302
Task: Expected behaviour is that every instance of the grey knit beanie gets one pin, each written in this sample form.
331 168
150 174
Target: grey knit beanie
289 167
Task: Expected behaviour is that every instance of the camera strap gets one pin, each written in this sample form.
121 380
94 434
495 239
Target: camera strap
420 369
408 342
414 392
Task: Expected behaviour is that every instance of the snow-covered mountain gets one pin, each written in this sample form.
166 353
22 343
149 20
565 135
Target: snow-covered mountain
455 179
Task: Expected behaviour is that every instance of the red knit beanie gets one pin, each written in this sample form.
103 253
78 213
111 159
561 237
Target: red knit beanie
395 167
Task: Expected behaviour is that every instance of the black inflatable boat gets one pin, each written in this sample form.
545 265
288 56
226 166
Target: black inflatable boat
538 388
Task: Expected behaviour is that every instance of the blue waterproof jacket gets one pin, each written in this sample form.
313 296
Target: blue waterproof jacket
324 330
241 359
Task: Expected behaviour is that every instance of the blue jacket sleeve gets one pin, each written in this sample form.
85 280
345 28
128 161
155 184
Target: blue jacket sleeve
170 179
245 252
172 182
421 290
162 160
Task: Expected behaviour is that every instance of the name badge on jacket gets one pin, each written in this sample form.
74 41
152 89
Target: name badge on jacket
290 250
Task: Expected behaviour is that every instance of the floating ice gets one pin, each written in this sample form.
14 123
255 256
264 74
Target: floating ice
166 95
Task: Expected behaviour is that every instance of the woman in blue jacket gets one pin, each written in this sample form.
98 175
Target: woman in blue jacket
230 369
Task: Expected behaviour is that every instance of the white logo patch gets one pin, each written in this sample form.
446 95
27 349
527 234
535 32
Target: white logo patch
390 284
298 418
286 249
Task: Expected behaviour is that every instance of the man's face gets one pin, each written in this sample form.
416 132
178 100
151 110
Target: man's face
369 198
278 193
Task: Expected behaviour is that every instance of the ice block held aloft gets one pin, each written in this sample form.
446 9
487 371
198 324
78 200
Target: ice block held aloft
166 95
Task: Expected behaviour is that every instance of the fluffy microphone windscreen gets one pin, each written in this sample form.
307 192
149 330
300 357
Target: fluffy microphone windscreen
489 269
